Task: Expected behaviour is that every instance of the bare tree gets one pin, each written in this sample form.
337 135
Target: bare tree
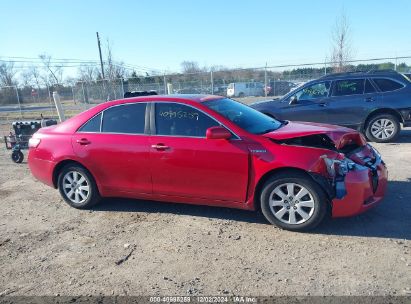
32 77
341 43
54 71
87 73
114 70
189 67
7 74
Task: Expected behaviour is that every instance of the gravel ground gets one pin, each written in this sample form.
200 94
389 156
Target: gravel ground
130 247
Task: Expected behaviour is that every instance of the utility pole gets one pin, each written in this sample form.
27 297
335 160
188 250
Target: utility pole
101 58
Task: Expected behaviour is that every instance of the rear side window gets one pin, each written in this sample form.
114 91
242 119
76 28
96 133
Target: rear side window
387 85
129 118
348 87
93 125
175 119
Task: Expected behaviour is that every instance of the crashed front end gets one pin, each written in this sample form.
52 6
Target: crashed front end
355 180
358 181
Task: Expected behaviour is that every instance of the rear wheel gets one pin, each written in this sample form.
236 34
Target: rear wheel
293 201
77 187
383 128
17 156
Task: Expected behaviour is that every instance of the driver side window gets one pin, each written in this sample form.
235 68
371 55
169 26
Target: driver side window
318 90
174 119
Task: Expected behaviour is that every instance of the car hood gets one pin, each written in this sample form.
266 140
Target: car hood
340 136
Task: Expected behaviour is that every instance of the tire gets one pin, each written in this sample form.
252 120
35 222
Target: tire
17 157
382 128
78 187
303 212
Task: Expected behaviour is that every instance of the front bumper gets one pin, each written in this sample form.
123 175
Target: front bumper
363 193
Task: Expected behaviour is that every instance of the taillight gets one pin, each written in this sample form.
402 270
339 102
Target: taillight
34 142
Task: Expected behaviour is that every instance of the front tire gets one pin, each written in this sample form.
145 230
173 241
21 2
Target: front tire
293 201
77 187
383 128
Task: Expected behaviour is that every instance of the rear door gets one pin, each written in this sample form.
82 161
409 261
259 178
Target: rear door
115 147
311 104
350 101
186 164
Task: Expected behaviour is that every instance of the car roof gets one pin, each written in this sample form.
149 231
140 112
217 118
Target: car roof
362 74
172 98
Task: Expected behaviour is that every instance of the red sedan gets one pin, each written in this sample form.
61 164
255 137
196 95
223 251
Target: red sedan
209 150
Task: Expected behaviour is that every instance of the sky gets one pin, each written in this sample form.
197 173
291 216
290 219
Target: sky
160 34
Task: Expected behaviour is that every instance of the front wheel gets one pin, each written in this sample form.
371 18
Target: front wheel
77 187
382 128
293 201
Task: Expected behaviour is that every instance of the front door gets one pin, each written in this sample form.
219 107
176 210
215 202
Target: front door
310 104
186 164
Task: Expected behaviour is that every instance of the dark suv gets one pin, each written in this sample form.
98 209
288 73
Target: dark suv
375 103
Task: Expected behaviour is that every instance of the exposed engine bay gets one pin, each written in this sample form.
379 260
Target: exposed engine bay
354 153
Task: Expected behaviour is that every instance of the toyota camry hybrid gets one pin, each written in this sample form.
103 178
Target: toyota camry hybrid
209 150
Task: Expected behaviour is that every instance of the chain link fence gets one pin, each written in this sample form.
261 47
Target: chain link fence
28 103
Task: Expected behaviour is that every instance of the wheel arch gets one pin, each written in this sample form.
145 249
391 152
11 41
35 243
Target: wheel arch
382 111
271 173
61 165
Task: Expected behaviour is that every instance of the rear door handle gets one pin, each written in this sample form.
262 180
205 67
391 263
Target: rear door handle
83 141
323 104
160 147
369 99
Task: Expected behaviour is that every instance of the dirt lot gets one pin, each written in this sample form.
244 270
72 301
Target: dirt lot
48 248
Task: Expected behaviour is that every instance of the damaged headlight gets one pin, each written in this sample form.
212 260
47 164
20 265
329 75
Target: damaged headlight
338 167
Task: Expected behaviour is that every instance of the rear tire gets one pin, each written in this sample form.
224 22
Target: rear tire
293 201
17 156
77 187
382 128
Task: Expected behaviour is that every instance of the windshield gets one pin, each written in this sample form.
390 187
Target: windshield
243 116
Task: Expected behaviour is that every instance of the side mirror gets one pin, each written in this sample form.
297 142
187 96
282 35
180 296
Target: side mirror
218 133
293 100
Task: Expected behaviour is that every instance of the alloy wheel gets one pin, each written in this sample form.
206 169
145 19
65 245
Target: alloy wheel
292 203
383 128
76 187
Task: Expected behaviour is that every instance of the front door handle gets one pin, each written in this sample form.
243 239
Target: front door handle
83 141
160 147
369 99
323 104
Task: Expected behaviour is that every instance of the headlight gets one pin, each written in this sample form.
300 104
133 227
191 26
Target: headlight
338 167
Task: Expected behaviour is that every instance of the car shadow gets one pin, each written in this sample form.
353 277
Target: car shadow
391 219
130 205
